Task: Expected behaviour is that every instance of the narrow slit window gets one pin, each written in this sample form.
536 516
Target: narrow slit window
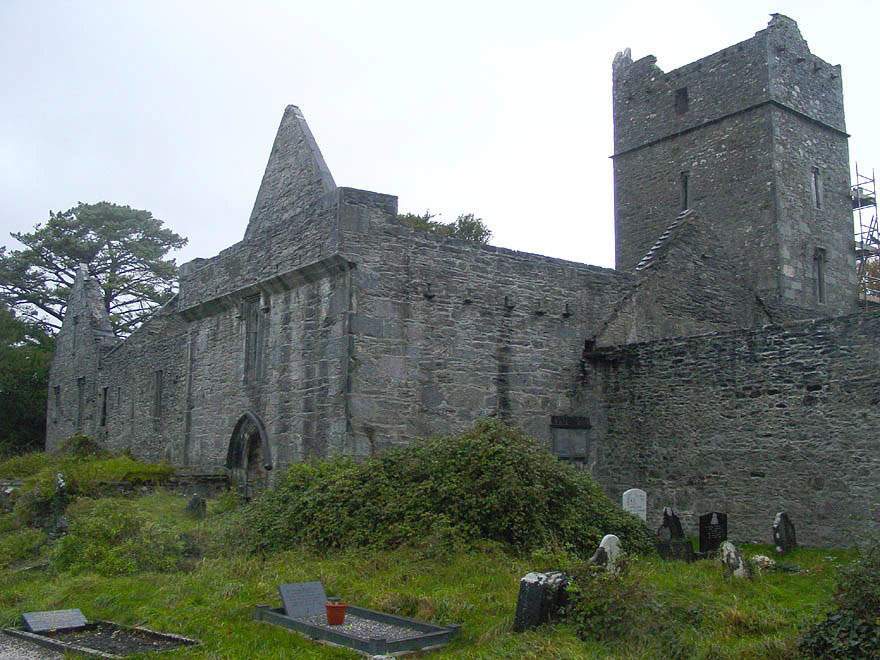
685 191
57 391
80 402
253 339
104 394
820 267
816 186
681 100
157 399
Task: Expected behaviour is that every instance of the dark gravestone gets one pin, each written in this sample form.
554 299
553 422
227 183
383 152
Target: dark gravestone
784 537
302 599
53 620
540 596
671 542
197 507
713 531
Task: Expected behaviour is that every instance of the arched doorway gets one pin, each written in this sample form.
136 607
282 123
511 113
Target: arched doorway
249 458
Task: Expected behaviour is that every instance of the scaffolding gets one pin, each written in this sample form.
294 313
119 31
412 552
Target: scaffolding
867 238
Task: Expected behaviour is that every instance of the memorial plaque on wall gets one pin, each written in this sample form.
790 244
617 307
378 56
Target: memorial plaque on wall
713 530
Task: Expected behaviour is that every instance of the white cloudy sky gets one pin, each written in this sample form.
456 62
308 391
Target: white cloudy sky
500 108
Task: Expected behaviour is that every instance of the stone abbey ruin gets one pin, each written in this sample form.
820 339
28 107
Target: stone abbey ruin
724 365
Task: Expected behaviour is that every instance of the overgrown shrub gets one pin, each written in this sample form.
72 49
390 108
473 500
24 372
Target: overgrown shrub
490 483
82 446
82 476
605 606
852 628
109 537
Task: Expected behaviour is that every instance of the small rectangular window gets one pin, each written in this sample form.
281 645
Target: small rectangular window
685 191
104 394
681 100
816 186
819 262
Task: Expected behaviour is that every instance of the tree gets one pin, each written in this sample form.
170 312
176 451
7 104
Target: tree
465 227
125 249
25 355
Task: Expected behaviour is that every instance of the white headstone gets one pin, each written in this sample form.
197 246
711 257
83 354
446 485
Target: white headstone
635 501
611 544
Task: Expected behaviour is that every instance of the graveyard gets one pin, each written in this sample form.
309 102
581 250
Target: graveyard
145 556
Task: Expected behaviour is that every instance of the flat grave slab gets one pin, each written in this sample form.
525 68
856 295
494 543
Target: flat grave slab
103 639
53 620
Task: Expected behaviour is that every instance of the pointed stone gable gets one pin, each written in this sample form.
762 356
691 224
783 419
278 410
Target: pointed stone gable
86 304
296 180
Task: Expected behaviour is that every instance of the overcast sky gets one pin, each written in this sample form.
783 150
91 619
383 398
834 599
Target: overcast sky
499 108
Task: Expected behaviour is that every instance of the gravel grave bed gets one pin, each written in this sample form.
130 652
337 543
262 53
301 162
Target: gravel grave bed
363 628
109 638
12 648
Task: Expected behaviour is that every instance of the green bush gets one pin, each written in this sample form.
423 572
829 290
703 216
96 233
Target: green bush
852 628
491 483
604 606
82 446
18 545
109 537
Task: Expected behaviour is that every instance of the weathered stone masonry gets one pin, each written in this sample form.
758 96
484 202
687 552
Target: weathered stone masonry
750 423
332 328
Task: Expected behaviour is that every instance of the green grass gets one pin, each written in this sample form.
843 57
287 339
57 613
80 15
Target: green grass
212 600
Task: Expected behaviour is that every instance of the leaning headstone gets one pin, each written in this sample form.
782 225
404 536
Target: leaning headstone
540 596
635 501
784 537
197 507
608 554
671 542
53 620
734 564
713 531
302 599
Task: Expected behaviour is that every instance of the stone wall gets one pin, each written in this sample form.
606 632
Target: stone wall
445 331
750 423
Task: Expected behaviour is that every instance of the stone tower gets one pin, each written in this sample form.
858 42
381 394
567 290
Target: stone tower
753 138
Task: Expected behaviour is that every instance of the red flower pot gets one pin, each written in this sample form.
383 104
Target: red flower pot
335 613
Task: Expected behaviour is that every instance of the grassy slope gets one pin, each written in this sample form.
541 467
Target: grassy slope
213 602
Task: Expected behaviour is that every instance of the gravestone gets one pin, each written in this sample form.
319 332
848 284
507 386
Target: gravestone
302 599
608 553
53 620
713 531
635 501
197 507
784 537
671 542
540 597
734 564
